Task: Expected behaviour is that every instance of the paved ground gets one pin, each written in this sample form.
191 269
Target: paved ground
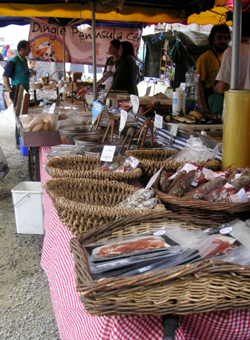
26 311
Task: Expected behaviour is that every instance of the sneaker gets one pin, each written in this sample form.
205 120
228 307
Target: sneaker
17 146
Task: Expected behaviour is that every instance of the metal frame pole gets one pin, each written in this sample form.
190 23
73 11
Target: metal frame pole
94 49
235 64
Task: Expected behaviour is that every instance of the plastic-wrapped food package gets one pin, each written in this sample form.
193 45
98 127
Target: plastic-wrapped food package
195 151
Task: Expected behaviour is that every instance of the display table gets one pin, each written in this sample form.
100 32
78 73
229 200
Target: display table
76 324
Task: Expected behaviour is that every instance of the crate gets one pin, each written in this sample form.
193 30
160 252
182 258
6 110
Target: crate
27 198
24 149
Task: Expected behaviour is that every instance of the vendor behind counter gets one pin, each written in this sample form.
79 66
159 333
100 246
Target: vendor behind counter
125 77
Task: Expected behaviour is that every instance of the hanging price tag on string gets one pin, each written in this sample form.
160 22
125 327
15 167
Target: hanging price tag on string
174 130
153 178
108 153
123 120
158 121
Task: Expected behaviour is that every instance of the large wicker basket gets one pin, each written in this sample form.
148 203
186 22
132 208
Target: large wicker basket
153 160
220 212
83 204
84 166
193 288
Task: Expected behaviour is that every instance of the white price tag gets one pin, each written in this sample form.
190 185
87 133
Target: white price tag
108 153
52 108
159 232
173 130
158 121
135 103
226 230
153 178
123 119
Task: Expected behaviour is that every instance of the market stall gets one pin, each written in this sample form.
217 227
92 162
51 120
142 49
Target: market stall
75 323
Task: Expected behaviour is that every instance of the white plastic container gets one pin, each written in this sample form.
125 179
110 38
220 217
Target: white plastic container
178 102
27 198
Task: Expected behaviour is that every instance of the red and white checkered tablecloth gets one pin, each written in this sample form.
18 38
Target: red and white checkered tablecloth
76 324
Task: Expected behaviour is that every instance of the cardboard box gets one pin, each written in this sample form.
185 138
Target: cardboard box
40 138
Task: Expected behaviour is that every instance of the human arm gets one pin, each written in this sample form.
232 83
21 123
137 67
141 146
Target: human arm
200 97
8 71
221 87
7 83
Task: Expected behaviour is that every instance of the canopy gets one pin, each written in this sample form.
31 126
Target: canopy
114 10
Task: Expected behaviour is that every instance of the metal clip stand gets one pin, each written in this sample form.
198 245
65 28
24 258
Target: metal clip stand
148 124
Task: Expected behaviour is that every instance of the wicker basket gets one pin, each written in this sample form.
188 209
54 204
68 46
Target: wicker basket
83 166
83 204
194 288
152 160
214 211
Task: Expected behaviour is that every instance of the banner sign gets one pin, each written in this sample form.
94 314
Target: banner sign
46 42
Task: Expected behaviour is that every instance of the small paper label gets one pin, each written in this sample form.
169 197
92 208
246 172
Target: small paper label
135 103
123 119
52 108
153 179
158 121
240 197
159 232
96 109
108 153
226 230
174 130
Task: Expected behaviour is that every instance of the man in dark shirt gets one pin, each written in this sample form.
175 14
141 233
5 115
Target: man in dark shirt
18 72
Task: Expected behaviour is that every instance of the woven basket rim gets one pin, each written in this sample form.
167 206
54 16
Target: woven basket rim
53 171
200 204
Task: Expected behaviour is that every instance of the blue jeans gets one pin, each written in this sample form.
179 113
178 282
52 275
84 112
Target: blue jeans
2 107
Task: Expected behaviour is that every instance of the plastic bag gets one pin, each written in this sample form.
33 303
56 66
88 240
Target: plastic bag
195 151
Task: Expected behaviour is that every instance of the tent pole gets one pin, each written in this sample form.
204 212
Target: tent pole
237 17
64 76
94 49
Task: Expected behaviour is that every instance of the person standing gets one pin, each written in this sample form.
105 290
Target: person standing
224 76
208 64
111 63
126 74
2 108
6 96
18 72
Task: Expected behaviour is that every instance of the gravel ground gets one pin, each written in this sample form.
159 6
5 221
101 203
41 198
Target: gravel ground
26 311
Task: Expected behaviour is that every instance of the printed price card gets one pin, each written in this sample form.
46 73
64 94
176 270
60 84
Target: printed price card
108 153
158 121
173 130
